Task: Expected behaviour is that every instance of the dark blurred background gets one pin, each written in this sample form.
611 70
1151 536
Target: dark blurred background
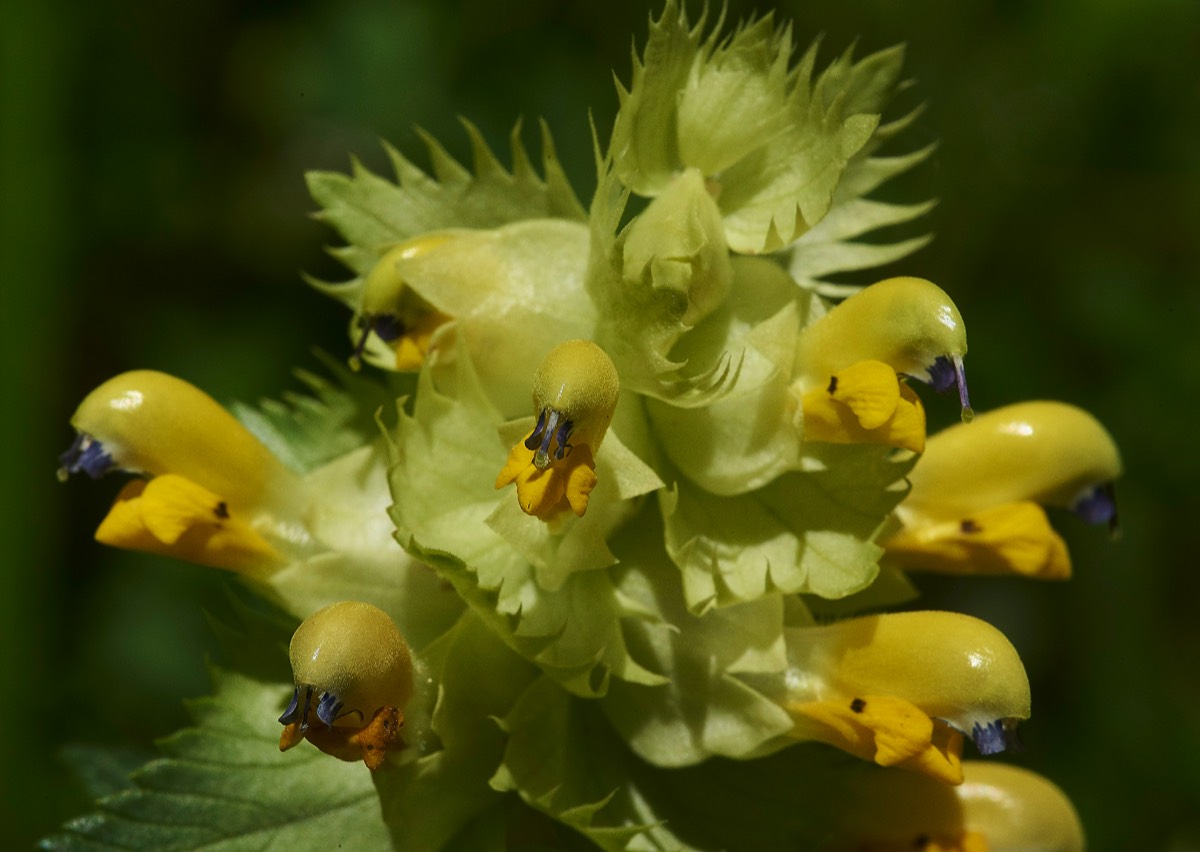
153 214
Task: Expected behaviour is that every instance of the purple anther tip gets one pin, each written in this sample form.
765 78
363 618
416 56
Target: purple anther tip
88 455
1098 505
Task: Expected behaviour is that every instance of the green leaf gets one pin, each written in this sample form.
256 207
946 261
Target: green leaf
773 141
551 759
527 275
224 785
832 246
566 761
704 709
645 137
747 436
334 416
435 798
653 281
372 213
810 532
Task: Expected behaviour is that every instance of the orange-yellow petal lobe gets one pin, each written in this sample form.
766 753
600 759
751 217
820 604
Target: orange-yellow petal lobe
370 743
865 403
548 492
888 730
413 345
581 478
1015 538
173 516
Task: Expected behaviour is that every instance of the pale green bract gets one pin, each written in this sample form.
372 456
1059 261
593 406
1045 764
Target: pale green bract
593 669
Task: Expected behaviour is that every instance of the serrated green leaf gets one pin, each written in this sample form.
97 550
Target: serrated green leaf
704 709
334 416
372 213
224 785
811 532
773 141
653 281
551 758
747 436
830 247
564 759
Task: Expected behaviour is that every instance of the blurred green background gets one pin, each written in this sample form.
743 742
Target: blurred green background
153 214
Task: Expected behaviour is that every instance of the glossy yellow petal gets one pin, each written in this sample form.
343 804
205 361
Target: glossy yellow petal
153 423
998 807
865 404
172 516
941 665
1015 538
579 381
1046 452
907 323
888 730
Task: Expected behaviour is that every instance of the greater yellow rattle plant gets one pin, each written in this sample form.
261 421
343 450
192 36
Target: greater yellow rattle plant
354 677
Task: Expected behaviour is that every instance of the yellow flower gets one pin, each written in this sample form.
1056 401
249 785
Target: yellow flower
354 675
978 491
850 364
215 494
901 689
393 312
997 808
575 392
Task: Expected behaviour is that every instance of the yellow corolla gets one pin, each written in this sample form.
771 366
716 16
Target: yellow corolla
978 491
997 808
901 689
393 312
850 364
575 391
214 494
353 675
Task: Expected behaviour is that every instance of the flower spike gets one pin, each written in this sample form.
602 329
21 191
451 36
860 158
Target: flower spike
901 689
575 392
977 493
353 676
